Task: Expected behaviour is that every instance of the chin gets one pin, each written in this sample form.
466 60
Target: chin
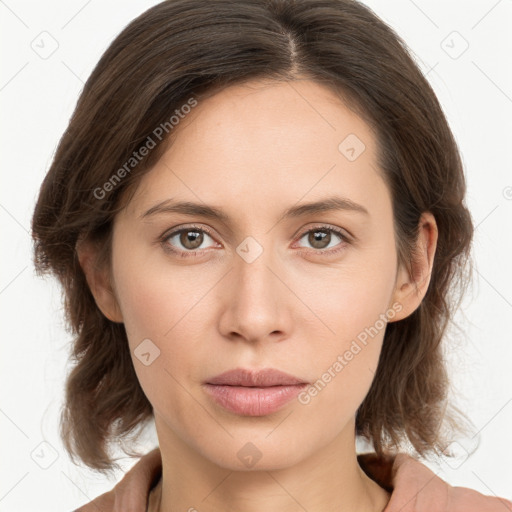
256 453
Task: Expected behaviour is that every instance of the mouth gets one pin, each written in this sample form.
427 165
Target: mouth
253 393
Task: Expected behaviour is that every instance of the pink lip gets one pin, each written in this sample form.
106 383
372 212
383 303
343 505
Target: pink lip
254 393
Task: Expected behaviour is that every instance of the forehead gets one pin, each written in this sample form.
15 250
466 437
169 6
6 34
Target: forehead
263 144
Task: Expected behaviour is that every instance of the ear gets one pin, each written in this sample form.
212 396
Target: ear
411 289
98 280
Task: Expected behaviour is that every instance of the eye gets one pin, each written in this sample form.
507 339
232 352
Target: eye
186 241
321 238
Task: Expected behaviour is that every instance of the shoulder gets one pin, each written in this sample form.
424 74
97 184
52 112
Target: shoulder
417 489
132 492
105 503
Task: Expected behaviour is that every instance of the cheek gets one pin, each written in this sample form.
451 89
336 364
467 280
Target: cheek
355 306
154 298
159 322
352 297
346 364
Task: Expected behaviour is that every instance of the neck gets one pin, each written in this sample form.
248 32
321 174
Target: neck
331 479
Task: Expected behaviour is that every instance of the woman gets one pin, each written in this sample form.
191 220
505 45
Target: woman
257 215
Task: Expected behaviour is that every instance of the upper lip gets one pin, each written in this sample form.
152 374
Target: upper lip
255 378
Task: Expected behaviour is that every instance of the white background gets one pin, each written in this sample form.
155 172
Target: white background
37 97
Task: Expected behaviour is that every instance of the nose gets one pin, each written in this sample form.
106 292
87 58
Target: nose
257 303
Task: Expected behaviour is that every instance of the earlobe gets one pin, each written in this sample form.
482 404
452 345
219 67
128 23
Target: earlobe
410 288
98 281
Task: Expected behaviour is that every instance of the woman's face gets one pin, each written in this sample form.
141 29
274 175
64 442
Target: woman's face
259 287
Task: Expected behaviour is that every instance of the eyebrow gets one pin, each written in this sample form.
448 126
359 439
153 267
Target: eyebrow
333 203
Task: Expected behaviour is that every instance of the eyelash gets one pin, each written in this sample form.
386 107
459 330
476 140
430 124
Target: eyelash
187 254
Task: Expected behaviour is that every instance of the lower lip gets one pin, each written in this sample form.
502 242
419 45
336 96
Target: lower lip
247 401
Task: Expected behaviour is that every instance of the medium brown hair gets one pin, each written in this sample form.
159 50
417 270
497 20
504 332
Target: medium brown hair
182 49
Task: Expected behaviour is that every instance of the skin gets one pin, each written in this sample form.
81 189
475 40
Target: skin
254 151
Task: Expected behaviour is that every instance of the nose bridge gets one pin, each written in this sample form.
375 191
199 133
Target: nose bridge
254 260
